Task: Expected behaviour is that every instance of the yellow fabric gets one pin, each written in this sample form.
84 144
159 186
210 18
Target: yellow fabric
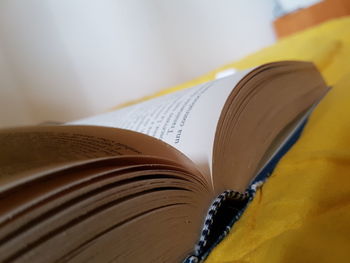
302 213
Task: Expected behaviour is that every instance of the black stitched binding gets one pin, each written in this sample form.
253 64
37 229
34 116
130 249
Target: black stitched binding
222 209
223 212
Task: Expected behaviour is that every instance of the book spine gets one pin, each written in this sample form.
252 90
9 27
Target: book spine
228 207
223 212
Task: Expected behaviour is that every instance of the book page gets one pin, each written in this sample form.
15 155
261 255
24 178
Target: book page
186 119
31 152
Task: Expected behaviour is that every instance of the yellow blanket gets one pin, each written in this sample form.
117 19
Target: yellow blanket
302 213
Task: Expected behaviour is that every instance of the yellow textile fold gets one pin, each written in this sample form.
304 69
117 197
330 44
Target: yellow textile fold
302 213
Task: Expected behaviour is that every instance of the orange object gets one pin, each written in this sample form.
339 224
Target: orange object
311 16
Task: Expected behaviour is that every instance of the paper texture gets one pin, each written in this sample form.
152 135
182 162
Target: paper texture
186 119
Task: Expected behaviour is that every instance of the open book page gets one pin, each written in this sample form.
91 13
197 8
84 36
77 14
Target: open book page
186 119
28 153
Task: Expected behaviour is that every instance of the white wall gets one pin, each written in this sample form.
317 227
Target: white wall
288 6
13 107
204 34
66 59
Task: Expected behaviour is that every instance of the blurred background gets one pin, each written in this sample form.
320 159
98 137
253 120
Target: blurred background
62 60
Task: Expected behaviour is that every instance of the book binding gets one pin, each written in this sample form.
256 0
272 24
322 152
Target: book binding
227 208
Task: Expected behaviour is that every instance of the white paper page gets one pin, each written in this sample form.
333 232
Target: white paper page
186 119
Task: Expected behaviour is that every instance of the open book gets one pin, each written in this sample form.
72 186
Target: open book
135 184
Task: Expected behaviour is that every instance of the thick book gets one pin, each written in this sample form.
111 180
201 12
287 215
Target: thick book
157 181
